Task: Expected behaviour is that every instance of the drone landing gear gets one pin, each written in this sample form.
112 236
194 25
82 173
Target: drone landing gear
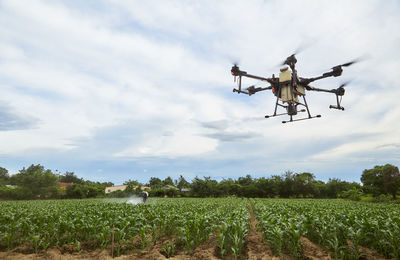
291 110
267 116
300 119
338 106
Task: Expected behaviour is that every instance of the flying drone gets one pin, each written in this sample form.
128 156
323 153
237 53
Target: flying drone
289 89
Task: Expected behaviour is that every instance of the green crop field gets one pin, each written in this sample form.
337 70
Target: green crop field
179 226
330 223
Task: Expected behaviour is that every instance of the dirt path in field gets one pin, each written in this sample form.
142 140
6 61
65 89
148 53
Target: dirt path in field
256 249
313 251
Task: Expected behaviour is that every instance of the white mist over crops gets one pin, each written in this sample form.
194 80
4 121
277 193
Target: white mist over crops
134 200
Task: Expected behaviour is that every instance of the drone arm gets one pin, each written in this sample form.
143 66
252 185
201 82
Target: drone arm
336 72
337 91
258 77
237 72
251 90
321 89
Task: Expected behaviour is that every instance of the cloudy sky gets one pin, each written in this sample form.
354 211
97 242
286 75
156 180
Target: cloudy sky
116 90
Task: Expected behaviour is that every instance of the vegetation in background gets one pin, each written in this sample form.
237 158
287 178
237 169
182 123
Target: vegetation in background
382 180
36 182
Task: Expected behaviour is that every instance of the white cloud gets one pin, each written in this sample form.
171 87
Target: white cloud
151 68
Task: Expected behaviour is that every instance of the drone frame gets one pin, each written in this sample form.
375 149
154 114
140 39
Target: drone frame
276 86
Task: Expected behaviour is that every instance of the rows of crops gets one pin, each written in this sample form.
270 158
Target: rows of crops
181 224
339 226
175 226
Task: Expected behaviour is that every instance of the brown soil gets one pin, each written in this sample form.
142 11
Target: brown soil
256 248
313 251
366 253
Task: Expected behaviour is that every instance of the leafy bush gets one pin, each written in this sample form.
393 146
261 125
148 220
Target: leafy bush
353 194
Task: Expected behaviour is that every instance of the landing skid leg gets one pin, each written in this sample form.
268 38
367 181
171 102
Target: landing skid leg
300 119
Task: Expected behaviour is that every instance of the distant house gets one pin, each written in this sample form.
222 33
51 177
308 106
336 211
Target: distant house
63 185
170 187
115 188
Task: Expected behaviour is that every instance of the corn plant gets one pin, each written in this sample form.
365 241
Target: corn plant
169 249
339 226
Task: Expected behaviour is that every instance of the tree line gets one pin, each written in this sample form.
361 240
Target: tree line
36 182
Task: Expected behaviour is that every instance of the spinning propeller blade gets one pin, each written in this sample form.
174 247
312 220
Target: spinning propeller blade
357 60
299 49
349 63
344 84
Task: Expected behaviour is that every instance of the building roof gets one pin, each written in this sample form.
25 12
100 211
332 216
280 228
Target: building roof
65 184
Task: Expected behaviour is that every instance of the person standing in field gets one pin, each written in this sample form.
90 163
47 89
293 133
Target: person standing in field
145 195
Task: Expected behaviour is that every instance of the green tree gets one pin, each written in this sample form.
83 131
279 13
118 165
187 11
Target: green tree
204 188
155 183
335 186
134 183
304 184
76 191
382 180
36 182
245 180
70 177
352 194
320 189
248 191
287 187
182 183
168 181
228 187
266 187
4 177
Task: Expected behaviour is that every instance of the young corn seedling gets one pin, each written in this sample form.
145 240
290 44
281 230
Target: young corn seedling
221 237
168 249
143 235
36 243
275 238
237 245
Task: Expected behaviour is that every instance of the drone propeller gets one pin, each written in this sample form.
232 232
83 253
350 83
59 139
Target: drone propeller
357 60
285 62
292 57
344 84
340 90
347 64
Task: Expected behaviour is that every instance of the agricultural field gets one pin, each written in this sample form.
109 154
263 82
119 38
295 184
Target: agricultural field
347 229
187 228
